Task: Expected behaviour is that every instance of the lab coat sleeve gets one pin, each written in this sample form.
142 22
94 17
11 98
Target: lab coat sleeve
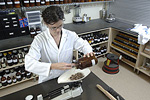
82 45
32 63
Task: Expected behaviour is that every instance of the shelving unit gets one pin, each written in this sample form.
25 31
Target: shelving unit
9 67
18 82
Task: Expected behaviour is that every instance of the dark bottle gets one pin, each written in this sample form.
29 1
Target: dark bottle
7 71
65 1
42 2
102 50
9 60
3 63
15 59
86 62
47 2
2 4
103 36
106 36
26 3
38 2
4 81
51 2
61 1
17 3
23 55
9 81
14 79
18 76
14 52
20 58
38 30
32 3
9 4
28 74
32 31
23 74
26 49
105 49
56 1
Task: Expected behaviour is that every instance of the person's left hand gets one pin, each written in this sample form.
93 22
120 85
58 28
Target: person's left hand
89 54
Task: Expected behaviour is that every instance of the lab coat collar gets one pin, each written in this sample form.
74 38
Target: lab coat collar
63 39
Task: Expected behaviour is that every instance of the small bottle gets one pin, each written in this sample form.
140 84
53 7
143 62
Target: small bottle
26 49
42 2
9 4
51 2
86 62
38 2
23 55
65 1
17 3
47 2
14 79
28 74
32 3
61 1
14 52
56 1
26 3
4 81
18 76
9 60
9 81
23 74
20 58
15 59
32 31
3 63
2 4
38 30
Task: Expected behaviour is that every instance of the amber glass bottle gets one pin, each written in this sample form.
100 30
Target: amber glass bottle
2 4
17 3
38 2
47 2
42 2
9 3
86 62
26 3
32 3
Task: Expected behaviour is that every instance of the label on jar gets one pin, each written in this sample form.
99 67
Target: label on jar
37 0
9 81
13 18
5 19
46 0
6 26
2 3
93 62
42 2
26 1
38 31
18 77
17 2
32 32
9 3
106 37
15 60
3 65
15 24
20 60
9 61
102 50
14 80
32 1
52 0
4 81
28 73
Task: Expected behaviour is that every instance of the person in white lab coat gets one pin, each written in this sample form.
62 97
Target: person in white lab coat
51 51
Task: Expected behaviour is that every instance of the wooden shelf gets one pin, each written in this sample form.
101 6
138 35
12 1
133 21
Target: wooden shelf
147 72
123 52
8 67
128 62
99 43
145 55
18 82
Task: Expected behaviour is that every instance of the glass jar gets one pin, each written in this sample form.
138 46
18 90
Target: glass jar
26 3
17 3
32 3
18 76
32 32
2 4
38 2
4 81
9 4
47 2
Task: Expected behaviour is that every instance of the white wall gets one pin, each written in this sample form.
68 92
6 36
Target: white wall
92 10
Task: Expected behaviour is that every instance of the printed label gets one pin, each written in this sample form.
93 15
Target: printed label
2 3
32 32
17 2
93 62
26 1
9 3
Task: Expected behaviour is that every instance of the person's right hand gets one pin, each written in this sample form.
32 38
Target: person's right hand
61 66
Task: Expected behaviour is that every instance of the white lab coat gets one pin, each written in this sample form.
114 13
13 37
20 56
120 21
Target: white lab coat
44 51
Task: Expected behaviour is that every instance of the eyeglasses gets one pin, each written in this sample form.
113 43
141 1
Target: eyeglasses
55 28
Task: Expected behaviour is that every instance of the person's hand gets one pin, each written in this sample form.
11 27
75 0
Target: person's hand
89 54
61 66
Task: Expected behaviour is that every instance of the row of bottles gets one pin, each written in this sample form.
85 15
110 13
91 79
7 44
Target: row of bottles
34 31
9 4
12 57
95 37
30 3
14 75
99 50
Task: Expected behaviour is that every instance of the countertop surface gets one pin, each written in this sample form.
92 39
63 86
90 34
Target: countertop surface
90 91
79 28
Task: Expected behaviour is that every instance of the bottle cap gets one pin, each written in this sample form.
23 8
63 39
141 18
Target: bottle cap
29 97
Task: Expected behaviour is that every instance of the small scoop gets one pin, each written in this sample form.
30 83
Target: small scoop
65 78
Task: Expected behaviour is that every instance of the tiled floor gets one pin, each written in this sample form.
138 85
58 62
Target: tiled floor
127 83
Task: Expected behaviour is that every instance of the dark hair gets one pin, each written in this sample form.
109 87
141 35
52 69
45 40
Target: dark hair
52 14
